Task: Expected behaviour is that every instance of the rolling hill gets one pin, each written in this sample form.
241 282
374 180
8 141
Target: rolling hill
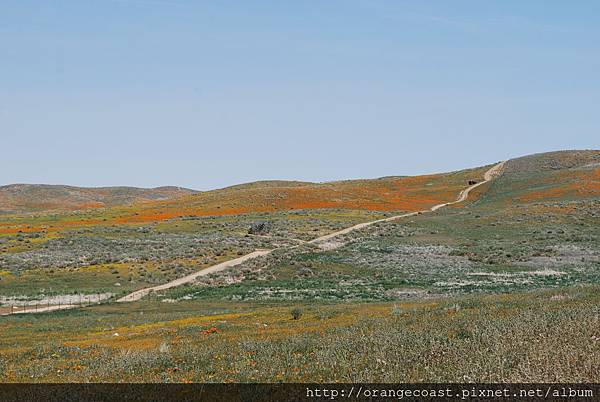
510 269
23 198
383 194
549 177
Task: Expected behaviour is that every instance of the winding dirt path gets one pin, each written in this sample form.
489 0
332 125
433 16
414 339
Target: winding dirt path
488 176
138 294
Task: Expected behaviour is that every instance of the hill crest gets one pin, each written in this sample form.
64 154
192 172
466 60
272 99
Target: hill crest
23 198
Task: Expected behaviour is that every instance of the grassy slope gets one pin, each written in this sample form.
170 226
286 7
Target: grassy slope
502 233
497 242
536 337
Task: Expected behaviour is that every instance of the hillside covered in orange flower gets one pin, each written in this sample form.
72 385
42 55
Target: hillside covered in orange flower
383 194
563 175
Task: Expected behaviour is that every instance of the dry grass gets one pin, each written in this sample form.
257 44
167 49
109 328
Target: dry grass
535 337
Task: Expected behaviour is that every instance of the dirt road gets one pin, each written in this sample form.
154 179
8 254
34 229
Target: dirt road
488 176
138 294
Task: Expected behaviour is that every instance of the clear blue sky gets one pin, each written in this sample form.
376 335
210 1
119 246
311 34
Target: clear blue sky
205 94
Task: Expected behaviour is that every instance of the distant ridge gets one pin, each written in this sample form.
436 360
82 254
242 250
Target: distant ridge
23 198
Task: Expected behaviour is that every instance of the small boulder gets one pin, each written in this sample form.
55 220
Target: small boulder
259 228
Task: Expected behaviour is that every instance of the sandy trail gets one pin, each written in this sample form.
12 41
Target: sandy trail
488 176
138 294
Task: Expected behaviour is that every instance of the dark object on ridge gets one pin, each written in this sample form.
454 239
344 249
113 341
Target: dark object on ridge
258 228
472 182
